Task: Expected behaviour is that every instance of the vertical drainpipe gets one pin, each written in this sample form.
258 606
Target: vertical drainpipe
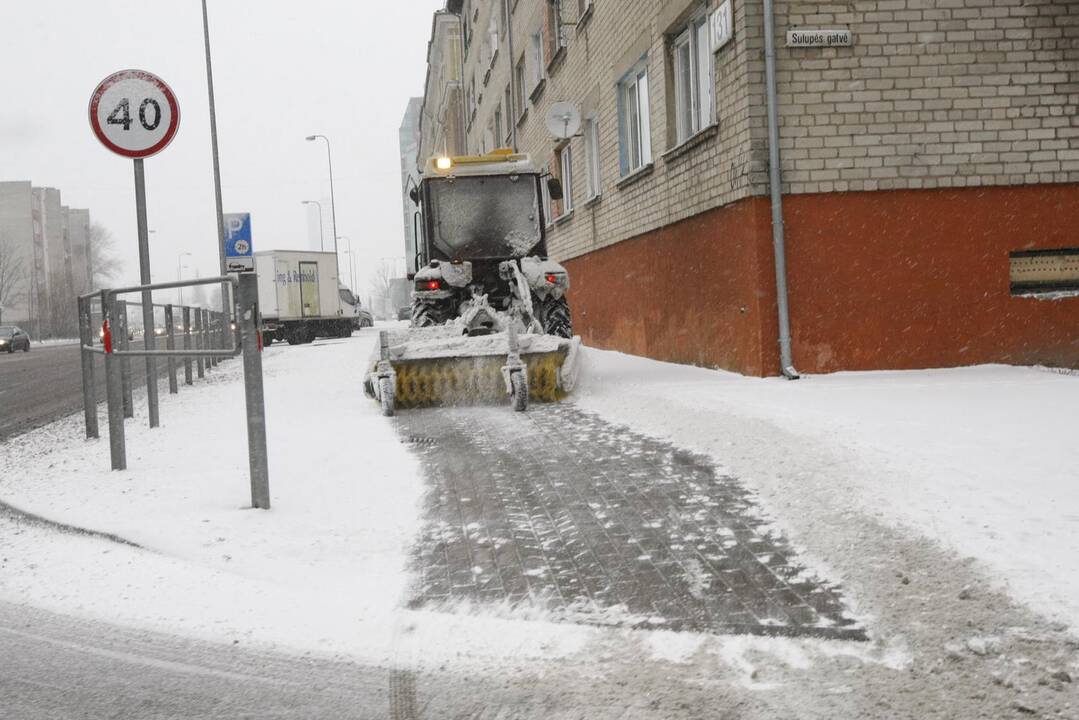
786 364
511 116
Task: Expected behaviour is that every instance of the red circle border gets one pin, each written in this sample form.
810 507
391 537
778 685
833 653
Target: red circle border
174 108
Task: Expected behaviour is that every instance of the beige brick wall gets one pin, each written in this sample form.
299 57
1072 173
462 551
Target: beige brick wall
932 94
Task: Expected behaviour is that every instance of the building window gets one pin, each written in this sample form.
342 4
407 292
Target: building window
554 28
492 38
545 193
466 27
536 61
635 129
565 164
591 157
503 7
522 94
693 80
507 102
498 124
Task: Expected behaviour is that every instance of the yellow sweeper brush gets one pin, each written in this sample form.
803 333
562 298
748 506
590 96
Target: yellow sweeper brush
437 366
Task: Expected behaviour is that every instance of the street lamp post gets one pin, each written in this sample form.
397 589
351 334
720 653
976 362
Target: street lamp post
179 265
321 234
333 204
351 260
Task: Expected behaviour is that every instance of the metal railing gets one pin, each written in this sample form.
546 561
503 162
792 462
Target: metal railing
203 333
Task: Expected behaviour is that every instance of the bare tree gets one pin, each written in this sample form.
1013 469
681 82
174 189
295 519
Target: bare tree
381 282
105 263
14 274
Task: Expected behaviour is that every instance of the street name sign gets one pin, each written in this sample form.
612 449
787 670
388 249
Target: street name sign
134 113
819 38
238 249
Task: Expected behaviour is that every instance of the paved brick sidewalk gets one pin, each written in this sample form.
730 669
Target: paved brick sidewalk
559 510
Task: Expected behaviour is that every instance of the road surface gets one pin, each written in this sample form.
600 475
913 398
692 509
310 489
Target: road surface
45 384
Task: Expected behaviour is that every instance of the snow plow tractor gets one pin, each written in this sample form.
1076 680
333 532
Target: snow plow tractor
490 320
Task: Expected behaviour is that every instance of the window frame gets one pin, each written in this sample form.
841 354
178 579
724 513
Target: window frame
635 126
693 71
545 198
538 61
593 169
565 162
521 70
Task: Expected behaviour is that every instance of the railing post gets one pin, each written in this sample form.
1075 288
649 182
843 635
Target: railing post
219 332
187 344
114 385
89 391
125 362
211 335
200 343
170 343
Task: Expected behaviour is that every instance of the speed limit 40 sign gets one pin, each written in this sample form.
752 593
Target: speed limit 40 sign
134 113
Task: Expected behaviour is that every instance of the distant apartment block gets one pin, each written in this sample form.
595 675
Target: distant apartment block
47 248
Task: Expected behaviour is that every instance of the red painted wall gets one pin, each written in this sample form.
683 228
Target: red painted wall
915 279
880 280
690 292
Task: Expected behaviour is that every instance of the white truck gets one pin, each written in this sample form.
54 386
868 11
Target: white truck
301 298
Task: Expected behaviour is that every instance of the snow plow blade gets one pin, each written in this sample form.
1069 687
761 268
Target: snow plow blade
436 366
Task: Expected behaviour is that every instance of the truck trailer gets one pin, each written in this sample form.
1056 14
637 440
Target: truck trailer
300 297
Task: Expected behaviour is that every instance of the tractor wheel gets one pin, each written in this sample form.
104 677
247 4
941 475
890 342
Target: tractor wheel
556 318
427 314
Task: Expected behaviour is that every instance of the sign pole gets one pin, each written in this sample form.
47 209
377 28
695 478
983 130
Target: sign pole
225 287
248 319
147 296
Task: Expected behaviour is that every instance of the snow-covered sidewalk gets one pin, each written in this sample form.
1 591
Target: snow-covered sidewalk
984 459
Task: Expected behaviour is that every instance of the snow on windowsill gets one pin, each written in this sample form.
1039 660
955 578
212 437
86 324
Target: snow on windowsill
537 91
642 172
694 140
585 17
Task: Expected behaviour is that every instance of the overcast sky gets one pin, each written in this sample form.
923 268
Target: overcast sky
282 70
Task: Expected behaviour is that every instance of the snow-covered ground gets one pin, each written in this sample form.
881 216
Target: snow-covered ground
978 459
983 459
323 571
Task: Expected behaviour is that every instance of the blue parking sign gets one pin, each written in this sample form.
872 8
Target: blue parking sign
238 249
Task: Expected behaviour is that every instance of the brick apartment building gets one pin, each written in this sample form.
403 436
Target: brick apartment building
929 161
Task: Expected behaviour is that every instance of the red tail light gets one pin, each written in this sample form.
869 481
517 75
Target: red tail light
552 278
428 284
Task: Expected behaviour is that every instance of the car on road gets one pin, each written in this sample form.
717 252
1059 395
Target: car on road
13 338
366 320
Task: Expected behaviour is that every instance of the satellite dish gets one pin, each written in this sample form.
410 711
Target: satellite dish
563 119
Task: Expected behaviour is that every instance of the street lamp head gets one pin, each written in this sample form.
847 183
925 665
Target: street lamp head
311 137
